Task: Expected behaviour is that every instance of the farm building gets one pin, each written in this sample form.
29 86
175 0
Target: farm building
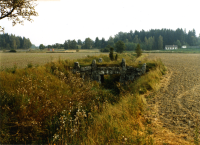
184 46
50 49
171 47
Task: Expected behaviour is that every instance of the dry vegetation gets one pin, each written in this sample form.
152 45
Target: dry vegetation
48 104
8 60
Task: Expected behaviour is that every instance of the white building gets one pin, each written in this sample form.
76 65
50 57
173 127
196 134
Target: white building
171 47
184 46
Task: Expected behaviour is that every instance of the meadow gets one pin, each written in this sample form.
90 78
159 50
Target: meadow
22 58
47 104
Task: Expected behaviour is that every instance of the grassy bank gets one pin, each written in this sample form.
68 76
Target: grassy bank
49 104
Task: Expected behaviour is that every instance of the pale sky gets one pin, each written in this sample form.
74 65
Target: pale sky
78 19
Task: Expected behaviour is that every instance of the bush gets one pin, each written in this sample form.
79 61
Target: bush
111 54
30 65
77 50
116 56
138 50
12 50
105 50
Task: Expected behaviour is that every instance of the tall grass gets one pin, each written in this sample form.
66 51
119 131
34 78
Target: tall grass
49 104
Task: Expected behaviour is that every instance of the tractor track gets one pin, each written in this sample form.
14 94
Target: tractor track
177 103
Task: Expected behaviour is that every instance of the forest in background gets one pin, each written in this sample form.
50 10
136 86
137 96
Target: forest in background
154 39
14 42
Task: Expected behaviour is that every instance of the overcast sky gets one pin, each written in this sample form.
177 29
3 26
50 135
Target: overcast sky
78 19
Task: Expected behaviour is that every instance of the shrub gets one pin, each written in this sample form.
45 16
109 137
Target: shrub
105 50
138 50
111 53
116 56
12 50
30 65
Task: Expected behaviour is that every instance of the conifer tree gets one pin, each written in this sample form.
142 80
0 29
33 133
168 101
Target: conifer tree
116 56
138 50
111 54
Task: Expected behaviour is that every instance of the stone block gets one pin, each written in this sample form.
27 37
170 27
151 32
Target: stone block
128 73
100 60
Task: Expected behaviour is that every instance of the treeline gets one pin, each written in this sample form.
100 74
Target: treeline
148 40
14 42
154 39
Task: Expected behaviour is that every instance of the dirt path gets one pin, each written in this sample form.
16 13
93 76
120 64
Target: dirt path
178 101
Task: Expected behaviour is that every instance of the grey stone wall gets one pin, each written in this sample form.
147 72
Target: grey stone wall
95 73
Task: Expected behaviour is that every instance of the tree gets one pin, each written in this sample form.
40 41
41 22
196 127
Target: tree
111 41
160 43
49 46
136 40
13 44
111 55
178 43
79 42
12 9
116 56
120 46
103 43
17 39
138 50
41 46
73 44
88 43
191 38
97 43
66 45
130 46
151 42
146 42
199 40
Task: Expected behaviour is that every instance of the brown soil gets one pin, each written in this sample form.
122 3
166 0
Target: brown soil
177 102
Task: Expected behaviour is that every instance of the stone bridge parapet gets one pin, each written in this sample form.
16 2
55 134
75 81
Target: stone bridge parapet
96 72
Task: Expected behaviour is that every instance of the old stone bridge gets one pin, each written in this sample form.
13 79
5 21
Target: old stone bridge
96 72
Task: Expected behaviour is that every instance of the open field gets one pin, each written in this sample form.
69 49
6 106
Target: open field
177 103
22 59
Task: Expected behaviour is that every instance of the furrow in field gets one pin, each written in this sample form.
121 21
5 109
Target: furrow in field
178 100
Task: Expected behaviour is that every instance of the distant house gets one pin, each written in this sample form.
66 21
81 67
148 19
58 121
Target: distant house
184 46
50 49
171 47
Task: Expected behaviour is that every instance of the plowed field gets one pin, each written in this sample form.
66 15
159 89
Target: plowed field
177 103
